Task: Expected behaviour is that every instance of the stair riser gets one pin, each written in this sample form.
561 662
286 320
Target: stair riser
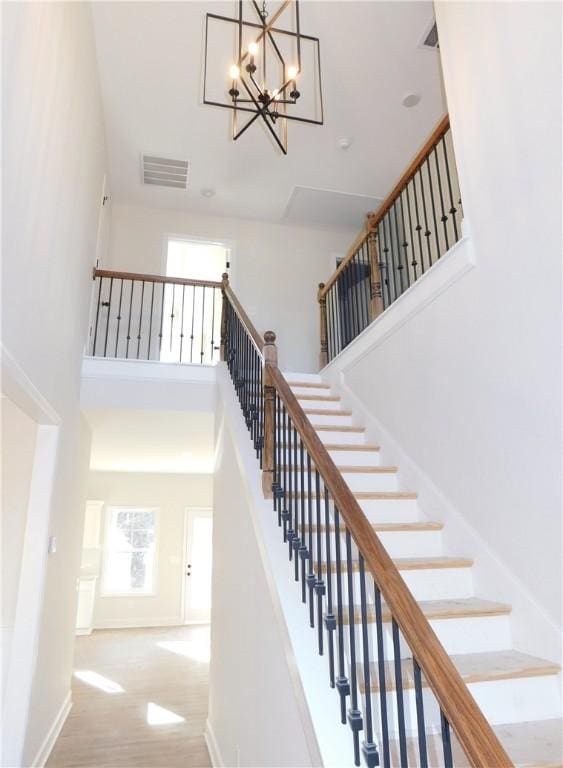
478 634
390 510
324 405
342 438
336 419
355 458
310 391
397 543
427 584
368 482
310 378
514 700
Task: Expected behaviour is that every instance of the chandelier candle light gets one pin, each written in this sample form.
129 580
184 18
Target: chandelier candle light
274 73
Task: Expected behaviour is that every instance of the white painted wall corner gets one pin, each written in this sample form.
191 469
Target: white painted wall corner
53 733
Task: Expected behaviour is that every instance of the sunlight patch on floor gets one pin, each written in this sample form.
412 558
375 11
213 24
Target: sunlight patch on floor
197 650
157 715
96 680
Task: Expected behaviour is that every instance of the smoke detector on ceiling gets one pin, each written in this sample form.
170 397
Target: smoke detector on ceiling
164 172
430 40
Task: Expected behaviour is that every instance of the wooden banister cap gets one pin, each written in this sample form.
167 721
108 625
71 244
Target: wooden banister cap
269 337
225 278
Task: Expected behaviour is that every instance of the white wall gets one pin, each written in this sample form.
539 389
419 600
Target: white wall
254 712
18 448
53 165
471 387
171 494
276 268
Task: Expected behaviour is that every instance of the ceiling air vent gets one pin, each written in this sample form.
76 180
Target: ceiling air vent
430 39
164 172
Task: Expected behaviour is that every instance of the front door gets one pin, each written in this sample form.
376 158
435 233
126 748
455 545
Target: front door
197 571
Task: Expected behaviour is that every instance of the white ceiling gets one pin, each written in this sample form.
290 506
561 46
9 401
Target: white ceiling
150 58
151 441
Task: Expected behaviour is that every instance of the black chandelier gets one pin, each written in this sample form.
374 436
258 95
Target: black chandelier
263 65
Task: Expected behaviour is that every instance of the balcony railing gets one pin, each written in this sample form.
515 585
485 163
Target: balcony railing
149 317
415 226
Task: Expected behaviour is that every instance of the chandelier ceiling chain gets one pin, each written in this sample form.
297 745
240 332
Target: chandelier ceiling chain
267 55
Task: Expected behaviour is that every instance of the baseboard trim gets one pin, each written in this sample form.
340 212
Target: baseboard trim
212 746
53 734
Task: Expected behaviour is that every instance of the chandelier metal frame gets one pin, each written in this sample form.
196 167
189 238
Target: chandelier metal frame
272 106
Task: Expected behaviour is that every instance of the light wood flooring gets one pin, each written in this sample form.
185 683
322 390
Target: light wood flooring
164 676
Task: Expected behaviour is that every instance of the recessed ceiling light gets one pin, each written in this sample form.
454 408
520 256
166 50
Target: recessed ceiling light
410 100
207 192
344 143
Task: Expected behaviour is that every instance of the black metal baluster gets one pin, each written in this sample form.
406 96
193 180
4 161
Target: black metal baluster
182 322
369 748
335 320
354 715
421 728
129 319
443 218
140 318
446 741
296 540
414 262
150 324
453 209
202 322
381 677
303 552
108 316
405 243
342 684
286 487
330 618
431 189
418 227
97 316
118 317
213 292
291 477
382 252
261 411
400 266
161 322
192 332
329 326
172 313
388 240
319 583
311 573
399 694
427 232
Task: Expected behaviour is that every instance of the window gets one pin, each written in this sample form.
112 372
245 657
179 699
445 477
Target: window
191 325
129 558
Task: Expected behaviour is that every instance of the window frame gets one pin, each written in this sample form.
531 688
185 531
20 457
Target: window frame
106 550
224 243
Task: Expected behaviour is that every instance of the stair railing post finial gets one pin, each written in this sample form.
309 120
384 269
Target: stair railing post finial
224 286
270 358
376 288
323 356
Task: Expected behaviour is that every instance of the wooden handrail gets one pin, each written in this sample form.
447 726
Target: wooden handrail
376 216
257 340
476 737
155 278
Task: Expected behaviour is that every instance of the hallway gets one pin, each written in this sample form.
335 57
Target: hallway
139 699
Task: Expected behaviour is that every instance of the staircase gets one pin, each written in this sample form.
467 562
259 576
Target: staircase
519 694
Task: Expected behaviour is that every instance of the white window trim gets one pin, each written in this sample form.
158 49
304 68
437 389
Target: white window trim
105 551
224 243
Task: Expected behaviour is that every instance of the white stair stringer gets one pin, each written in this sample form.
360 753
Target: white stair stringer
510 687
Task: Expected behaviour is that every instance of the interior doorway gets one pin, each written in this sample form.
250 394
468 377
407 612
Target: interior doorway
198 529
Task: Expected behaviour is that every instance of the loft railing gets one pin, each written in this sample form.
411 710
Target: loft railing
415 225
150 317
398 689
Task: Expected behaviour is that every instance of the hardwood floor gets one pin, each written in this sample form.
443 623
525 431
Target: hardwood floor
139 699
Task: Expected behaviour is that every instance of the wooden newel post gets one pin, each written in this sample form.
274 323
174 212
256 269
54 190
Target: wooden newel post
270 356
323 357
376 288
224 285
